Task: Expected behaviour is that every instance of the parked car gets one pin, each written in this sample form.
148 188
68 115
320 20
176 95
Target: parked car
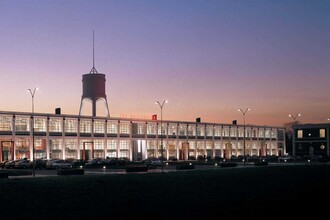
79 163
95 163
285 159
22 164
153 162
40 163
49 163
10 164
118 161
59 164
2 164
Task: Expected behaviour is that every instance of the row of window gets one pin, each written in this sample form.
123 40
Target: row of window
70 125
300 133
23 144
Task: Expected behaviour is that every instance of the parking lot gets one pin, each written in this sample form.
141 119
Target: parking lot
50 167
242 192
27 173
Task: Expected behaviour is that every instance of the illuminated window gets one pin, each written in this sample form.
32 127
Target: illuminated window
209 130
22 123
300 133
112 144
217 131
70 148
247 132
233 131
140 128
99 127
55 125
217 145
71 145
70 125
55 144
322 133
124 154
98 145
172 129
151 145
261 133
40 124
200 145
183 129
254 132
112 154
267 133
124 127
5 123
200 130
162 129
225 131
85 126
191 145
112 127
124 145
191 130
209 145
151 128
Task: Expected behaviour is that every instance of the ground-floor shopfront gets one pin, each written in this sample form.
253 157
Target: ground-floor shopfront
132 149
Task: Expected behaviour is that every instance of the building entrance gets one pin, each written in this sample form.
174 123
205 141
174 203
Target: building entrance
87 153
228 151
7 150
139 150
184 151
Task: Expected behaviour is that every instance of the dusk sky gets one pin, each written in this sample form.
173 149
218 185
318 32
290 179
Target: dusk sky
207 58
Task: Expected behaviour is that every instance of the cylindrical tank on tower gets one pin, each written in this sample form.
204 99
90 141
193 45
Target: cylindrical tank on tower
93 85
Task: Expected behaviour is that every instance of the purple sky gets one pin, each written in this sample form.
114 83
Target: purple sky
208 58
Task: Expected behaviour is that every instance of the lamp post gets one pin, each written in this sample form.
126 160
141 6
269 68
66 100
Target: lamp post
244 112
33 150
161 131
293 134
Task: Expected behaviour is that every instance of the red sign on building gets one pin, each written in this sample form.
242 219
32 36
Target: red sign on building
154 117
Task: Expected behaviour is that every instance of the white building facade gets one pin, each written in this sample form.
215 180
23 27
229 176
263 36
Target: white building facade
86 137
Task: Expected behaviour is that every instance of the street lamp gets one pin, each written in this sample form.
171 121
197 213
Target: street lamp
161 130
244 112
33 150
293 134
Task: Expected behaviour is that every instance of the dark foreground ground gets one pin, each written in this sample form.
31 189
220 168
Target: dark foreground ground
224 193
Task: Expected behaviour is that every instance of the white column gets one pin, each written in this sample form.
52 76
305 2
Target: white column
13 128
105 139
177 142
47 139
63 148
78 137
118 138
221 143
213 150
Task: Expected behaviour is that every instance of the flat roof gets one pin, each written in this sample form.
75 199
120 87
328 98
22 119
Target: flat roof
319 125
128 119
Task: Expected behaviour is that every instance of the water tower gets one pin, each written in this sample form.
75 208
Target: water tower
94 88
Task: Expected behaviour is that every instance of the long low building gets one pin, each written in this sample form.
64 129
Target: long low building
87 137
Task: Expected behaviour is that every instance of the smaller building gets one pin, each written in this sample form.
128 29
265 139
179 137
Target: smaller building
311 140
